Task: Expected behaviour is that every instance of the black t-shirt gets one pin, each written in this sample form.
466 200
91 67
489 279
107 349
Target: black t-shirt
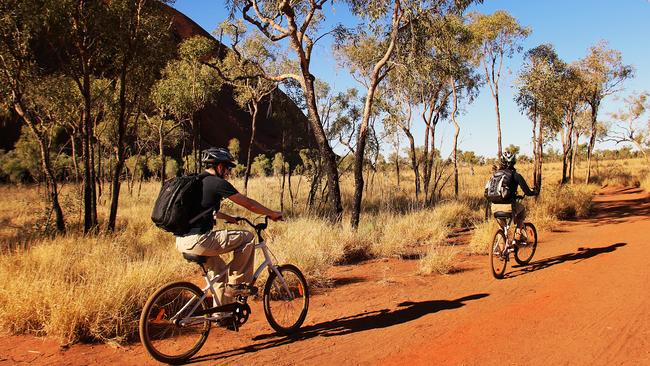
520 182
215 189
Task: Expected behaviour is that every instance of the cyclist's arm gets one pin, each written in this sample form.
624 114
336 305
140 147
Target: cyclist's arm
254 206
524 186
223 216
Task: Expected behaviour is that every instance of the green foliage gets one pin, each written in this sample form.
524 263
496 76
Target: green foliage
261 166
513 149
279 163
497 35
195 48
310 161
186 85
136 165
234 148
153 164
171 168
12 168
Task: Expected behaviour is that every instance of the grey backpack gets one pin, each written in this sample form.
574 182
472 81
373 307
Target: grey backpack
499 189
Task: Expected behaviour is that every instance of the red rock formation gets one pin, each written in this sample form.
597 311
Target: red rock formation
223 119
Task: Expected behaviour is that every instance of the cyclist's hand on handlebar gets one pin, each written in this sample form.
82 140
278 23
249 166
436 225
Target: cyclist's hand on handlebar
276 216
232 220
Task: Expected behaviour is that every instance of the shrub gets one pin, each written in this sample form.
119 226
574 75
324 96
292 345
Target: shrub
482 238
261 166
311 244
438 259
413 229
455 214
92 291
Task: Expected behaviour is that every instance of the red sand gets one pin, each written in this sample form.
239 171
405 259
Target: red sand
582 301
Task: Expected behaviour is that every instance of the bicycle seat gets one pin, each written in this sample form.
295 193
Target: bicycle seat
502 214
200 259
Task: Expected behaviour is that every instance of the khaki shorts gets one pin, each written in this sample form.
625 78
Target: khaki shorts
520 211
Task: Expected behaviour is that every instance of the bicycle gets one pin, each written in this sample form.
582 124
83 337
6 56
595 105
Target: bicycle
503 243
176 319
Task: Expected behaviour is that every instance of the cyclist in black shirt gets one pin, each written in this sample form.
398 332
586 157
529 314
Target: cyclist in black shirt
203 240
507 162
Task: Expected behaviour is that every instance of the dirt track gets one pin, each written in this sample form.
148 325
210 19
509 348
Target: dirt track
584 300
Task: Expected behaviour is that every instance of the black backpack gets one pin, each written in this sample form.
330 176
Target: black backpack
499 189
178 204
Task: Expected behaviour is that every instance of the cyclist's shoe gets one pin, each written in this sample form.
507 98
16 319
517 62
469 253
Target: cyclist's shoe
242 289
227 321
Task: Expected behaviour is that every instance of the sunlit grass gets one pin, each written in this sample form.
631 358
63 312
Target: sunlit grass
77 287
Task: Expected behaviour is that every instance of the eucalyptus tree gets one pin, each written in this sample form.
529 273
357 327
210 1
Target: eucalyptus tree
297 23
498 35
398 105
628 126
345 109
163 132
140 45
21 82
581 127
426 78
453 42
604 72
538 86
571 89
186 86
370 57
79 46
251 56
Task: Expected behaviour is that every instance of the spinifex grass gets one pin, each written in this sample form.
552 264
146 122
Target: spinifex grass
77 287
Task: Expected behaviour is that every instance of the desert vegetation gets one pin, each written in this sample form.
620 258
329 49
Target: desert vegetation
91 288
109 106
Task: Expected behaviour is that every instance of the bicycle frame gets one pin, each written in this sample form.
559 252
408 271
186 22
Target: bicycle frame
217 306
505 225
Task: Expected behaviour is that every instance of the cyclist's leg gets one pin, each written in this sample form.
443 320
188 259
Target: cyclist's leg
240 242
520 216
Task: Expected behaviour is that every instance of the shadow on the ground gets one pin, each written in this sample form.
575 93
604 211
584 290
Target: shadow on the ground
405 312
579 256
612 212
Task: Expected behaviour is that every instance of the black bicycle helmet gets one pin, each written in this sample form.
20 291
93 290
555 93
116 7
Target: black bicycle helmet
216 155
508 159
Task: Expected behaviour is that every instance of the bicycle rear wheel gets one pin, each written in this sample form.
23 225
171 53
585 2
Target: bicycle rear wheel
286 299
164 338
526 248
498 256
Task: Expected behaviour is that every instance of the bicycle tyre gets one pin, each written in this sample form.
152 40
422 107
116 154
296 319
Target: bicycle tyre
154 340
498 262
530 231
276 298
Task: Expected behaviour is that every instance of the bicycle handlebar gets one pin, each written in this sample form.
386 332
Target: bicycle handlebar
258 227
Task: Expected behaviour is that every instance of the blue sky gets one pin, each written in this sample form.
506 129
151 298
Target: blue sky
571 26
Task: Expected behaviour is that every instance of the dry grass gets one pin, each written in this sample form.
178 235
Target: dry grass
402 232
438 259
79 288
76 288
645 182
481 239
560 203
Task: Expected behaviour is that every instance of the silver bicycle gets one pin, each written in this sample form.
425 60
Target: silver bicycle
176 319
504 243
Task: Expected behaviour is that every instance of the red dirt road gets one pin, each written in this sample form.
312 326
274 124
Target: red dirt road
584 300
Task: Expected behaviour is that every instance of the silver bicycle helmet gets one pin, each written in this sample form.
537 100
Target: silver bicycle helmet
508 159
216 155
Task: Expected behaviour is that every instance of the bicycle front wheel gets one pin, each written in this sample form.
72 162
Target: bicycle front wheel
527 246
162 335
498 255
286 299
